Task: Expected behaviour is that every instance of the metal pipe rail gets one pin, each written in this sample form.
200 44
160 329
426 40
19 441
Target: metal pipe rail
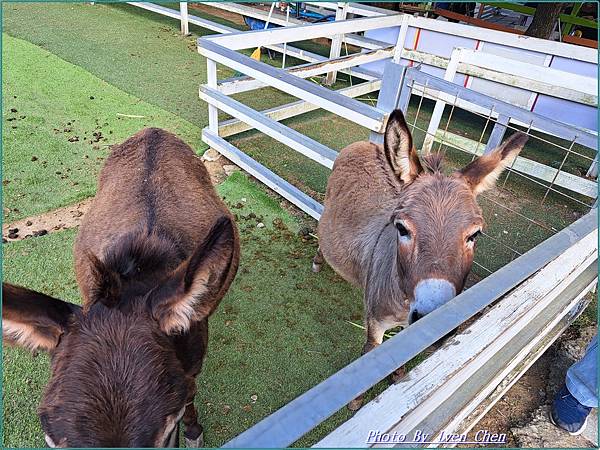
304 413
327 99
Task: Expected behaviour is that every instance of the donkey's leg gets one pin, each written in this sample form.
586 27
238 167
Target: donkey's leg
193 433
375 332
318 261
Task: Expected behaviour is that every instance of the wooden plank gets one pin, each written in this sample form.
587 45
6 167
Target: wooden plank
531 77
404 406
501 382
348 108
293 139
264 175
545 80
509 364
475 21
529 167
336 42
234 126
580 41
486 103
292 33
302 414
244 84
511 40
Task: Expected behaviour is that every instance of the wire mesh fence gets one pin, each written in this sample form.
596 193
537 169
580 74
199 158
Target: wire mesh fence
523 210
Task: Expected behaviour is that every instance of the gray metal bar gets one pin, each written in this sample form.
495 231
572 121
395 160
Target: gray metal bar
304 413
437 419
389 94
405 93
272 180
307 146
335 102
546 124
497 133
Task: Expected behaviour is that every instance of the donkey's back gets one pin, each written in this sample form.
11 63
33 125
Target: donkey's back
152 184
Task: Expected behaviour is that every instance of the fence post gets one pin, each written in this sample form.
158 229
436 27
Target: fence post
497 133
438 110
211 80
401 38
336 41
593 170
389 94
183 12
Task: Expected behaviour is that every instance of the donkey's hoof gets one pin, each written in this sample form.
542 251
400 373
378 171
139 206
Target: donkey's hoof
195 443
355 404
397 375
316 268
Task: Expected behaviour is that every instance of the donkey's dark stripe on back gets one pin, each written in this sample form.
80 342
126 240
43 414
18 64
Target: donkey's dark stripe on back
151 144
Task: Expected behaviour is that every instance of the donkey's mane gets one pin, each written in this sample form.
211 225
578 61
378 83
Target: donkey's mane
141 252
136 261
434 162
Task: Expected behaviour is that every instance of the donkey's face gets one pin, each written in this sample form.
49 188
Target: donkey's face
116 382
116 377
437 217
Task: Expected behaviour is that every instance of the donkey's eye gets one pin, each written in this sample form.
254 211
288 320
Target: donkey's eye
402 229
474 236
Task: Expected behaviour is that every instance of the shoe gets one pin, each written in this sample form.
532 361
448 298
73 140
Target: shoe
567 413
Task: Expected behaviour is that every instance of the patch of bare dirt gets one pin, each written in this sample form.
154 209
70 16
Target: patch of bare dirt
227 15
522 414
71 216
49 222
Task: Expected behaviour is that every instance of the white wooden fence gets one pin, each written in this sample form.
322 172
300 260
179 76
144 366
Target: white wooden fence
535 297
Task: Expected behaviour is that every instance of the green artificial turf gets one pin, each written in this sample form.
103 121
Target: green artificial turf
47 104
138 51
280 330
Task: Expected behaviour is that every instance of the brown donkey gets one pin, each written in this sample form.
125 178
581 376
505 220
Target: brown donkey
154 256
403 231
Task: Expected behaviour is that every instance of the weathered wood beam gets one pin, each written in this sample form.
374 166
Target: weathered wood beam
474 361
235 126
244 84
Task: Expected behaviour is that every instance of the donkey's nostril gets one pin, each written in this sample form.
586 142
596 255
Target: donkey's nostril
432 293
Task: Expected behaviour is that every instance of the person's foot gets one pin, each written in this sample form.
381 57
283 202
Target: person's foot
567 413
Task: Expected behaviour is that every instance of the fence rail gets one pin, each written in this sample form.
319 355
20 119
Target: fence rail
304 413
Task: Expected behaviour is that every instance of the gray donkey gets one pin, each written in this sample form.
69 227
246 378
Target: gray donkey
401 229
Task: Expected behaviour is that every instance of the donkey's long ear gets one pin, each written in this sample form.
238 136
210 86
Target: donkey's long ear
33 320
483 172
193 291
399 150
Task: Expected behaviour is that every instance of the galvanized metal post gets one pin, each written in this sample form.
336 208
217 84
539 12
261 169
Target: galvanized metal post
389 95
497 133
